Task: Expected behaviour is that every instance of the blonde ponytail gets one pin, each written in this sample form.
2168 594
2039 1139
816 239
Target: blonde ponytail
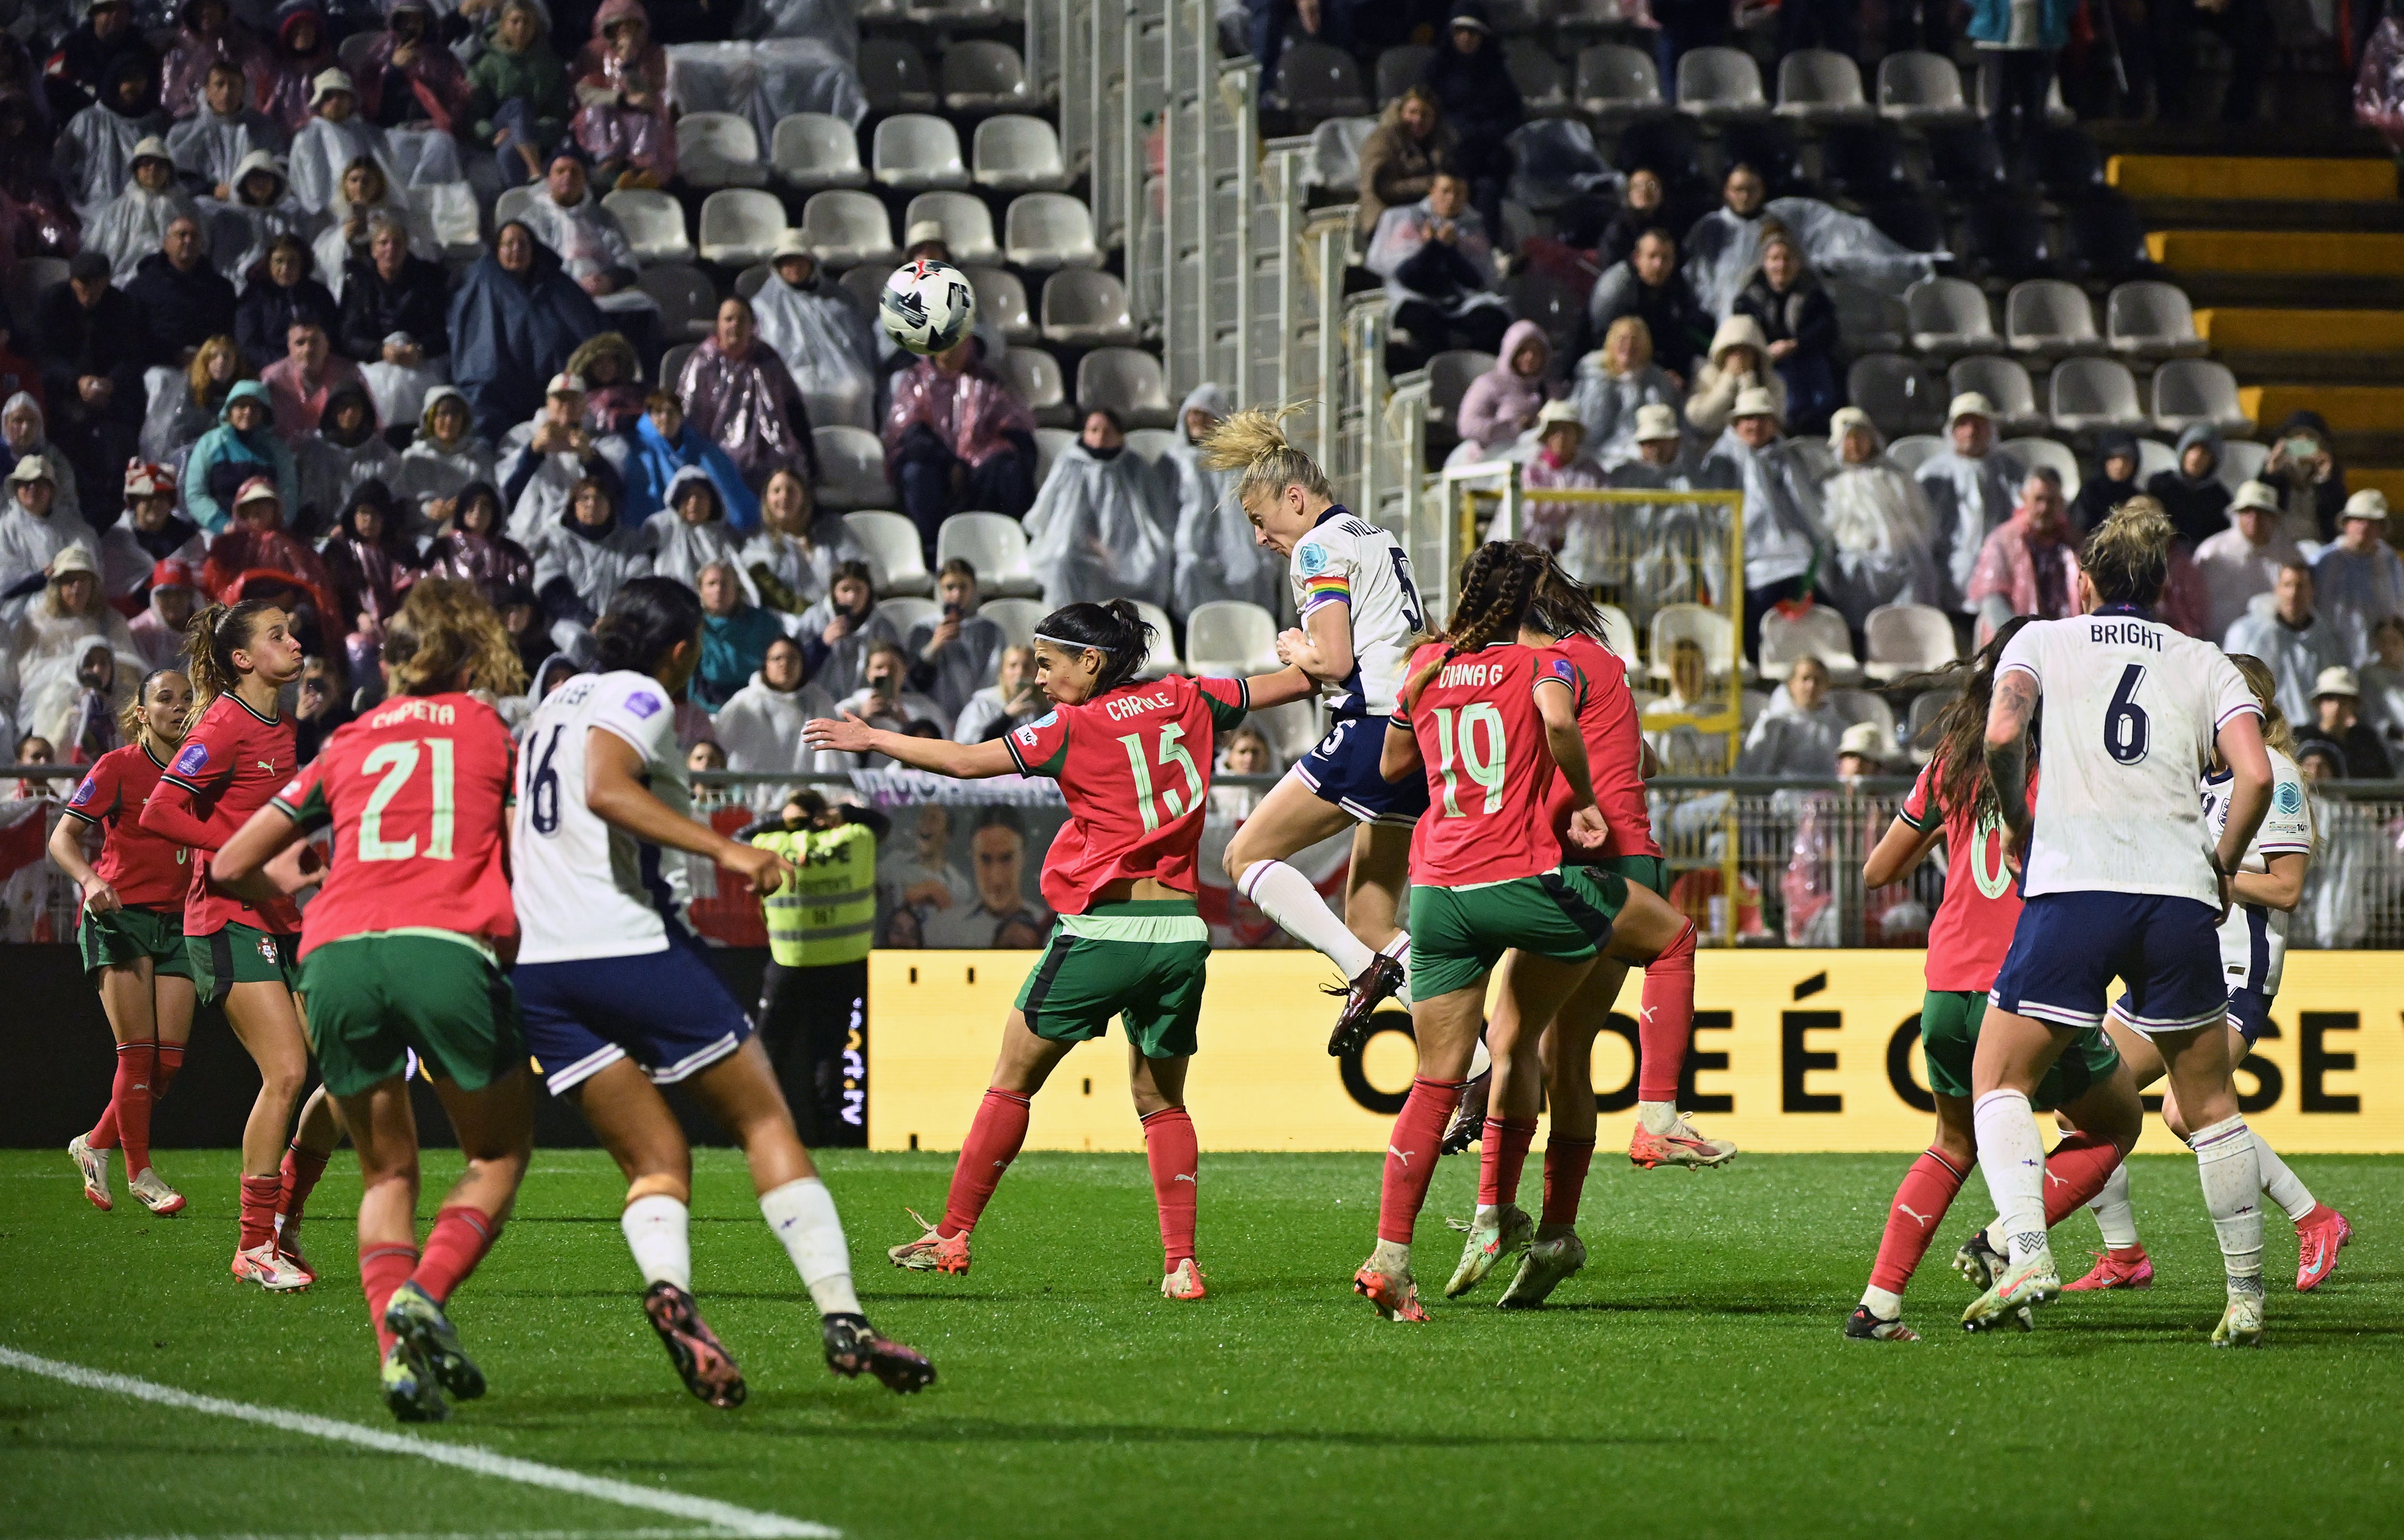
1252 442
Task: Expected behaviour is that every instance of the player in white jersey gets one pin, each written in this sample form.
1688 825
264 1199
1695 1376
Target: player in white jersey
2119 878
2253 951
1360 614
620 998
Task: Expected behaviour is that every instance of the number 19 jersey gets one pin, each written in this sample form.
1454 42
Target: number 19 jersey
417 792
585 889
1490 771
2132 708
1347 560
1134 767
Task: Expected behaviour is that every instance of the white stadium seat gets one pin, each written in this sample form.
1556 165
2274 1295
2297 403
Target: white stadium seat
915 150
896 563
847 229
996 546
851 467
811 150
719 149
1906 639
1231 637
653 222
1042 230
740 225
967 223
1013 152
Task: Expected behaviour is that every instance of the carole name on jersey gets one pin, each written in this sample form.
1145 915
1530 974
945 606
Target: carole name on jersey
1136 706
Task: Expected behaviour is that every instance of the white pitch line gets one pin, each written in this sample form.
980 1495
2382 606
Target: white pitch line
685 1533
725 1517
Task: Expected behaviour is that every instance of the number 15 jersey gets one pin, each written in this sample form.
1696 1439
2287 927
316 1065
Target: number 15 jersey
2132 708
585 889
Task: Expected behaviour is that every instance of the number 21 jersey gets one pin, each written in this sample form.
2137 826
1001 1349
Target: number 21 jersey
585 889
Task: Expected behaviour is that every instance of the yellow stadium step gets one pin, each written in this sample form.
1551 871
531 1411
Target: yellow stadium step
2384 478
2230 328
2361 254
2350 408
2254 178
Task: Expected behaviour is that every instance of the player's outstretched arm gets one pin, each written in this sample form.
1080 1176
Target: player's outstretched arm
1900 850
2240 741
1562 735
1398 757
1263 690
960 761
2007 718
241 864
614 790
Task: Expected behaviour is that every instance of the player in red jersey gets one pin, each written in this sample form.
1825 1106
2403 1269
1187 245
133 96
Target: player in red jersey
402 951
235 756
131 935
1967 941
1133 759
1490 716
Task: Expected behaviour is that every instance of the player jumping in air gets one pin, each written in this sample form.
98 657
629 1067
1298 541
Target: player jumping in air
237 753
403 950
130 933
620 998
1955 802
1360 613
2253 953
1487 719
1133 759
2121 878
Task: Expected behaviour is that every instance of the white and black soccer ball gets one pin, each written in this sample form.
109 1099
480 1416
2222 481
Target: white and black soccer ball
927 306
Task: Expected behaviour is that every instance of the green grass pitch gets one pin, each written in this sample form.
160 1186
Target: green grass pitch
1690 1383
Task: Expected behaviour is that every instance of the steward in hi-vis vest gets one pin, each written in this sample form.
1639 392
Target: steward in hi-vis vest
813 1015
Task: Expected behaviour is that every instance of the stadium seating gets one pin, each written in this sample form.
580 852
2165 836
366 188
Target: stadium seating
2032 453
1920 87
1033 376
1334 158
1949 315
2095 394
1543 85
851 467
1906 638
1863 160
904 611
889 542
653 222
2005 383
848 228
894 77
740 225
1914 449
1818 632
2153 457
719 149
981 75
1231 638
1619 635
1086 307
688 302
1868 321
1819 86
2198 390
996 546
1900 396
1042 230
1151 443
1320 82
2151 319
1398 68
1049 442
1614 80
672 362
967 224
914 151
1719 82
1127 379
1161 661
812 150
2049 317
1013 152
1001 302
2240 461
1707 629
1448 376
1017 618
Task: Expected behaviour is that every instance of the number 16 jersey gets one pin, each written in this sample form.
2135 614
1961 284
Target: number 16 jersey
585 889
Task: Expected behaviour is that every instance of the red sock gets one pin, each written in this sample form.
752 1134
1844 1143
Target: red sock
1175 1156
992 1142
128 1103
1411 1152
1666 1020
382 1269
131 1061
301 1170
463 1233
1919 1204
258 1195
2075 1173
2321 1214
1501 1157
1565 1166
170 1059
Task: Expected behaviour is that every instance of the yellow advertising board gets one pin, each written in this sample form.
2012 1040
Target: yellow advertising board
1793 1051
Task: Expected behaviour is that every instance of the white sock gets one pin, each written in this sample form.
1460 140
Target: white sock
1658 1117
655 1230
2013 1159
1480 1059
1392 1256
2114 1214
2283 1186
801 1213
1400 950
2232 1184
1882 1303
1286 897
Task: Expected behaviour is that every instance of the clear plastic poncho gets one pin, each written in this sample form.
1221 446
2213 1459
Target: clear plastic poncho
1723 248
806 60
1216 553
1098 530
827 347
1877 522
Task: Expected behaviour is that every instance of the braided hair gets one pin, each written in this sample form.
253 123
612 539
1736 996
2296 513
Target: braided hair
1498 593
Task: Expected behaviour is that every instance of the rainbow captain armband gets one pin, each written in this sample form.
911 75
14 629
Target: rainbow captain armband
1327 588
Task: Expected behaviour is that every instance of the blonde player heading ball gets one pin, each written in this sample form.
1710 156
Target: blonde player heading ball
1360 614
2120 876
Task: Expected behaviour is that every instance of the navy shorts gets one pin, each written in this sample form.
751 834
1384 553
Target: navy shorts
2249 1012
1342 768
2068 947
666 1011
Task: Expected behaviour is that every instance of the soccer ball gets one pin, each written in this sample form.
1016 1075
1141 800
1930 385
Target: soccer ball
927 306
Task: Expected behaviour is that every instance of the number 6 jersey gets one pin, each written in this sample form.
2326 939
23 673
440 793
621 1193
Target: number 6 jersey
585 889
417 791
2132 708
1134 764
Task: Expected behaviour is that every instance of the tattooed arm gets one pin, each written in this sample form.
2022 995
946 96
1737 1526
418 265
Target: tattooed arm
2007 718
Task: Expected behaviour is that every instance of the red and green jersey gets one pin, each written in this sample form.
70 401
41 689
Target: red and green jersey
1489 772
229 764
417 792
1134 767
1974 925
1614 753
148 871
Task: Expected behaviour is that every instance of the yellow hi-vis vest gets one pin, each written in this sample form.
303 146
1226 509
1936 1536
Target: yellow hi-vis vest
827 911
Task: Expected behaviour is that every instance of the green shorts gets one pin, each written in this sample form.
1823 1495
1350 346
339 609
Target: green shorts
122 937
371 998
240 954
1457 934
1142 961
1648 871
1948 1035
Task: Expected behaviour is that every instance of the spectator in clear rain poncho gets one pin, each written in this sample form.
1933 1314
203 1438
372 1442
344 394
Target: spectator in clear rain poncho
1217 551
444 456
2294 641
416 91
952 654
1971 486
1559 460
737 393
818 330
1651 553
2360 578
957 439
95 149
33 531
566 215
262 208
211 147
152 533
760 724
793 555
1100 526
174 595
585 555
1615 381
622 104
1877 522
133 224
837 631
1725 245
1782 508
1739 361
24 432
691 532
299 49
546 457
366 198
347 451
205 38
334 136
473 548
1438 264
1797 735
515 322
662 446
1010 701
77 76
